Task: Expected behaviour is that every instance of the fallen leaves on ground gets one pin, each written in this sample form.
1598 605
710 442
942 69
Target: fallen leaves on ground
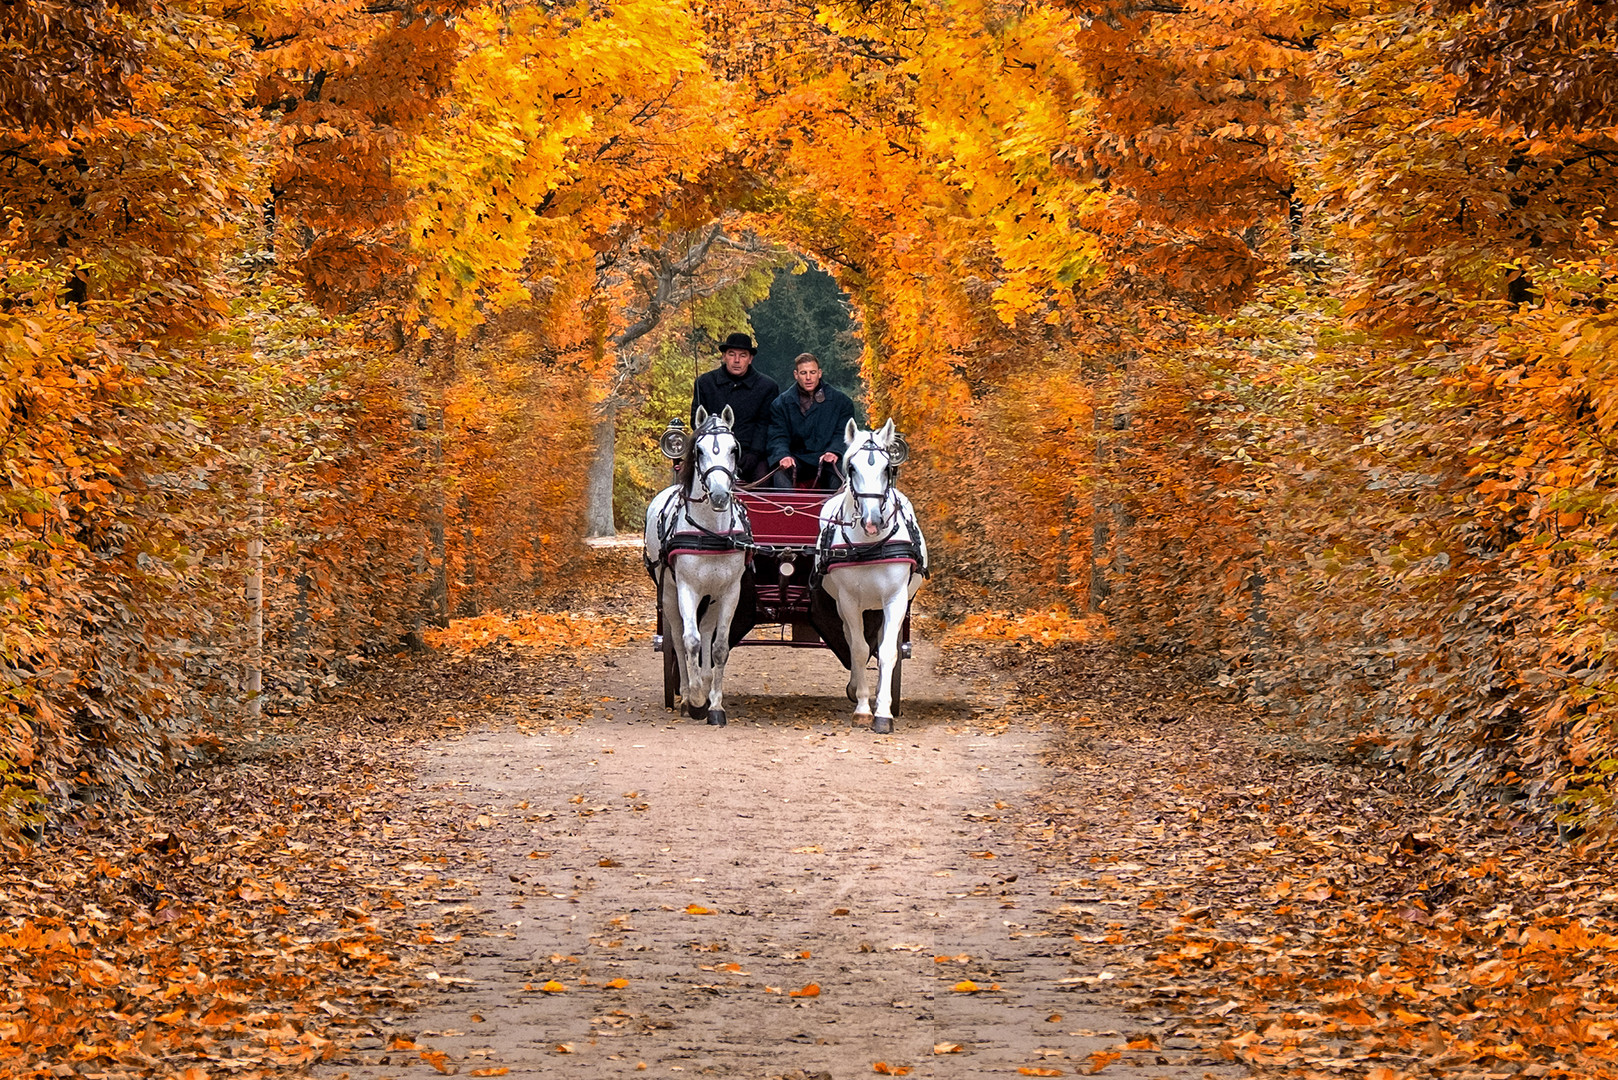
1293 907
809 991
253 914
947 1048
882 1068
1100 1060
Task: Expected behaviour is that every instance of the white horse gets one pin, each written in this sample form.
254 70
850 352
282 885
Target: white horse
874 559
693 532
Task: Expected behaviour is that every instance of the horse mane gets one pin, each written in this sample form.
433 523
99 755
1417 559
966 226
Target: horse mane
688 469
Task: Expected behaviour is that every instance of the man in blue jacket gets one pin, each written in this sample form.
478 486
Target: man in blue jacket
807 423
749 393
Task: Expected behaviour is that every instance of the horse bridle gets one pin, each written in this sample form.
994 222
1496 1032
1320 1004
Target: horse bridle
712 427
870 447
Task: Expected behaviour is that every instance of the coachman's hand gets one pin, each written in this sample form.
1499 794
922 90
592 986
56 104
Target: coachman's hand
787 463
828 457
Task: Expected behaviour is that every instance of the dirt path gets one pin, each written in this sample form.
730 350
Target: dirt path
883 870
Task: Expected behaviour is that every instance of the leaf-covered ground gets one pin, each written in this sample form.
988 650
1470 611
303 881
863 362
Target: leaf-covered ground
1308 913
245 919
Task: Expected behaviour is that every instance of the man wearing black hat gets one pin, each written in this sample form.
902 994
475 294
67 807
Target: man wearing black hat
749 394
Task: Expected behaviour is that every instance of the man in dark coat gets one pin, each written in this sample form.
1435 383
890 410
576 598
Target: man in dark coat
749 394
807 424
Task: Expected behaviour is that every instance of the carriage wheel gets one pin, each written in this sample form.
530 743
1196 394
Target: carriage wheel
671 673
898 680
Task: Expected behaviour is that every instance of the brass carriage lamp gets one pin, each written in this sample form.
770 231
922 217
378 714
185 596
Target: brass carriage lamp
674 440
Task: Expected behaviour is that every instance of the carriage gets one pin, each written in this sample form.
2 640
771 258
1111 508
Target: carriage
781 603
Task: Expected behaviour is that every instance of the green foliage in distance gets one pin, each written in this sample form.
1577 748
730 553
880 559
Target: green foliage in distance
805 311
689 348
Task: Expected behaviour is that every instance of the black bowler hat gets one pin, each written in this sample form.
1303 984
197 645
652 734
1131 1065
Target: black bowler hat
739 341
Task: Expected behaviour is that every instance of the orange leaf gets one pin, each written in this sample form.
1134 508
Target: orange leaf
1101 1059
947 1048
812 990
697 909
1038 1070
501 1071
438 1060
617 984
553 987
966 986
884 1069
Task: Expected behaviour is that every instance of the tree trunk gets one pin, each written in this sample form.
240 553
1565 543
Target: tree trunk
468 604
598 482
255 596
302 625
438 596
1100 531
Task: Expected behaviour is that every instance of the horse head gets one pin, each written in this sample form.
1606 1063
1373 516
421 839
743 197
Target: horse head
715 457
867 463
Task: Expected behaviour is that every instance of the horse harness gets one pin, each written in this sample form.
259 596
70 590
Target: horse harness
885 549
689 537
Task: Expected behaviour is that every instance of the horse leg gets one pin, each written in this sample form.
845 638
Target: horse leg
725 611
696 682
887 656
674 630
859 653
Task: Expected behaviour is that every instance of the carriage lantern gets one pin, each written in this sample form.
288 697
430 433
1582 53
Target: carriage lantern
673 442
898 450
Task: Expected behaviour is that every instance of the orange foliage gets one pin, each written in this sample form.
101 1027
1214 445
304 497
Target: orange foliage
1274 331
539 630
1045 627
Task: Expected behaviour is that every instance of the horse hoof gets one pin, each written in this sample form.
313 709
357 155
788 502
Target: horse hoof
882 725
716 717
698 712
860 718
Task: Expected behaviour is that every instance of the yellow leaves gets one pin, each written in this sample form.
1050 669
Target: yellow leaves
966 986
552 986
697 909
